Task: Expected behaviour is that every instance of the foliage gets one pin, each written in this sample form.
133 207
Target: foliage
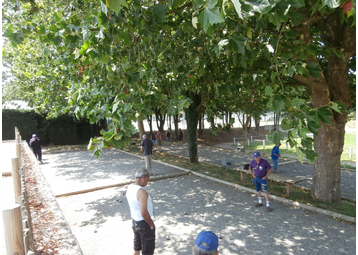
120 60
65 129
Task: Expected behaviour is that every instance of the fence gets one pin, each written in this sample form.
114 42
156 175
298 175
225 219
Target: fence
250 139
349 153
17 227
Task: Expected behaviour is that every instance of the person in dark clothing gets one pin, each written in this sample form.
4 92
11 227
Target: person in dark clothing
180 137
146 147
35 144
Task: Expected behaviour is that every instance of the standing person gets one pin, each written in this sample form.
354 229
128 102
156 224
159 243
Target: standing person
146 146
168 135
159 139
262 169
154 138
180 137
206 243
141 207
35 144
275 155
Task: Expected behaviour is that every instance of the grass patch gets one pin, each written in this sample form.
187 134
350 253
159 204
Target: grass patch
233 176
350 141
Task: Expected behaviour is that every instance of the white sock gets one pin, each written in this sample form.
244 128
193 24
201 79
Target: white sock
267 203
260 200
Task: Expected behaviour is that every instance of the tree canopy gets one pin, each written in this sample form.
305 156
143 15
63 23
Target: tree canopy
121 59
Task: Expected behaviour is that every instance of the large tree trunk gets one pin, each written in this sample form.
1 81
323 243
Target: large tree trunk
192 116
333 85
228 116
150 121
160 119
141 129
176 125
245 128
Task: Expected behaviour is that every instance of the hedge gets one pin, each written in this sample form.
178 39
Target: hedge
63 130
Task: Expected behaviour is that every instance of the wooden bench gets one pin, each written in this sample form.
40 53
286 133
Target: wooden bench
287 180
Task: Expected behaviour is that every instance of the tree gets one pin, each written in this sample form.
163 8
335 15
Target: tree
110 57
314 43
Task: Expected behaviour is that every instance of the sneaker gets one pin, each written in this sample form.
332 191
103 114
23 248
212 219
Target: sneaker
268 208
258 204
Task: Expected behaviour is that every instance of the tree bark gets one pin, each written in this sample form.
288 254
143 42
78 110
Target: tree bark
176 125
333 85
192 116
160 119
141 129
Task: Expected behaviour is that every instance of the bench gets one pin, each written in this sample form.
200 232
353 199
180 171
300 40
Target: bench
287 180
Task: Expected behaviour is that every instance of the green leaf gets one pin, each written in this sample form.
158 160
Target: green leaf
324 114
84 47
104 59
310 156
286 124
307 143
278 104
237 5
133 78
159 11
239 43
268 90
210 17
211 3
338 107
292 133
314 69
300 154
297 102
330 3
303 132
115 5
104 8
276 136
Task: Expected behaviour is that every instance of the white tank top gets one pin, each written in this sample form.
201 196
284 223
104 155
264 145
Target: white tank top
134 203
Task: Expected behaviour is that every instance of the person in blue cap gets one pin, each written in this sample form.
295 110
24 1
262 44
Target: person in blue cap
260 169
206 243
275 155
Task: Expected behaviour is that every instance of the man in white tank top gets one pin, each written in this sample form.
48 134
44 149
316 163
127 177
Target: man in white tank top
141 206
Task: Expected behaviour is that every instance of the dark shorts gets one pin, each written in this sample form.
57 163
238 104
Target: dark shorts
159 142
144 237
259 182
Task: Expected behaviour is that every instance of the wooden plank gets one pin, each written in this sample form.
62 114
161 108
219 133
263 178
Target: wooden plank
152 178
12 223
283 178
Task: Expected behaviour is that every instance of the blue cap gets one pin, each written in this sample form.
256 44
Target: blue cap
208 238
256 154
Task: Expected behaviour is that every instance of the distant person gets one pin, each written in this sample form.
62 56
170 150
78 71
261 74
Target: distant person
168 134
159 140
180 137
154 138
262 169
146 146
141 208
35 144
275 155
206 243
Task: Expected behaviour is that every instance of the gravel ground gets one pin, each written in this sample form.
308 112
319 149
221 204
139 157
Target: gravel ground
184 206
